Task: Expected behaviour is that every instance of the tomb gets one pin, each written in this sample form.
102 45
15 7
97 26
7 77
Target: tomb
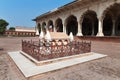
52 46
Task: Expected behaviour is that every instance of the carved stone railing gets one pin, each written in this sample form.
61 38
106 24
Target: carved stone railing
54 49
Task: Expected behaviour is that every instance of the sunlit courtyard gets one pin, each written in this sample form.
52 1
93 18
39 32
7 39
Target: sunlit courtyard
105 68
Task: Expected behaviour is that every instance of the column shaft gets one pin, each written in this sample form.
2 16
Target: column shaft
79 29
37 31
100 27
54 27
64 26
113 28
93 27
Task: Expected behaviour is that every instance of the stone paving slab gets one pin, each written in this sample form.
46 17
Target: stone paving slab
28 68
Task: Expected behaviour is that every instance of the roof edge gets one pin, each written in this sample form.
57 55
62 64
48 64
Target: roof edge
47 13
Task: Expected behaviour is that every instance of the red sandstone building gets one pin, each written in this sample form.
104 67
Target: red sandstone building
21 31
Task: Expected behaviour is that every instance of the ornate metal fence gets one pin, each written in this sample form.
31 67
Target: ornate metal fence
54 49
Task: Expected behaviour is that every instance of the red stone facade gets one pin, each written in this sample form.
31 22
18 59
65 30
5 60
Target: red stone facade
19 33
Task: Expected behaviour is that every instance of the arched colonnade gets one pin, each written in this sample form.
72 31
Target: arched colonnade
88 24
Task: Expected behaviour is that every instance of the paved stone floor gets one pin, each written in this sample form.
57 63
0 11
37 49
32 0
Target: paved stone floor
103 69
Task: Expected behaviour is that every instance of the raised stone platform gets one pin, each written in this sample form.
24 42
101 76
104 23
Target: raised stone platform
29 69
44 62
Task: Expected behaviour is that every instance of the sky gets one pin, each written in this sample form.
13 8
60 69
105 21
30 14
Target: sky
21 12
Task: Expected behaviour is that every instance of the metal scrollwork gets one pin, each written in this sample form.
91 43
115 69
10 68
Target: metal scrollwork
54 49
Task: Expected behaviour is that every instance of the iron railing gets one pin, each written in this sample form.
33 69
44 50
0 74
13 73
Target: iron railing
54 49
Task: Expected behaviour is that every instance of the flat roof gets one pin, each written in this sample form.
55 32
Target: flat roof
54 10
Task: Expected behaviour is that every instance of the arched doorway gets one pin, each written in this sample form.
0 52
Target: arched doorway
111 22
89 23
50 25
59 25
107 25
71 25
39 27
44 27
117 32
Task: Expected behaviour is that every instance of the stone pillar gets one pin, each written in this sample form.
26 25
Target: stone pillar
54 27
79 28
93 27
64 25
47 26
37 31
41 28
113 28
100 27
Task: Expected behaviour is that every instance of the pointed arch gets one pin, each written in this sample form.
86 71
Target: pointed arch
44 27
59 25
50 25
89 23
39 27
71 25
111 20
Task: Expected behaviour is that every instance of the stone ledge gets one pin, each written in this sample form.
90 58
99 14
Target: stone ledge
29 69
39 63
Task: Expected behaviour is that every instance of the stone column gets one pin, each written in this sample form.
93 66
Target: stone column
64 25
79 28
37 31
93 27
41 28
54 27
113 28
100 27
47 26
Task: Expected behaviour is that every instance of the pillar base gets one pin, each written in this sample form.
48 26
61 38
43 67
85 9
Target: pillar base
79 34
100 34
